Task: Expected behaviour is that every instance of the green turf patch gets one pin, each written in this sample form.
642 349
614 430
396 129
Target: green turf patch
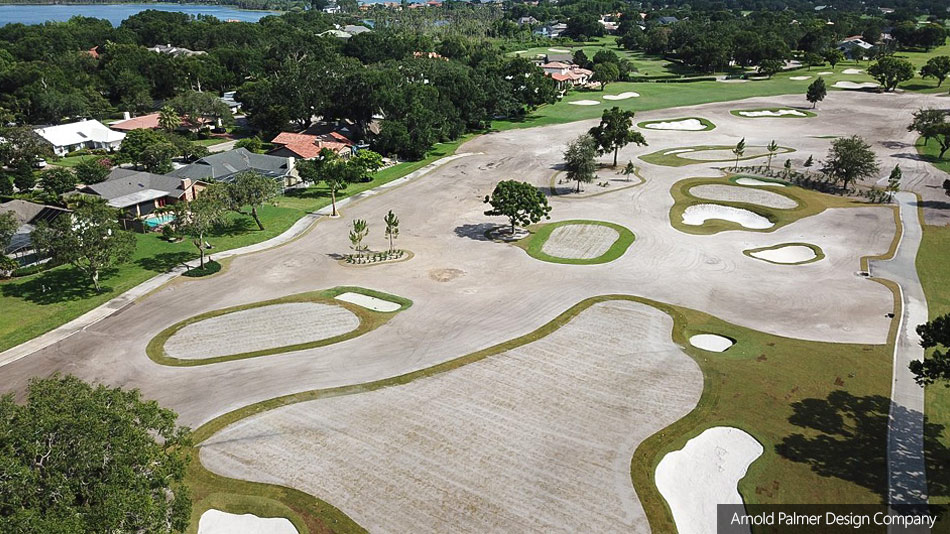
540 233
369 320
819 254
672 157
804 113
211 267
708 125
809 203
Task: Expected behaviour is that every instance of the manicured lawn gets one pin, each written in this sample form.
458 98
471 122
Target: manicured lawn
211 141
540 233
804 114
72 161
931 153
669 157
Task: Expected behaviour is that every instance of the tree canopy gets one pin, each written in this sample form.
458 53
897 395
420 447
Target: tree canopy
615 131
850 159
521 202
934 334
890 71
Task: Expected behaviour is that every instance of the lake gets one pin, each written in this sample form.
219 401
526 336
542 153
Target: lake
116 13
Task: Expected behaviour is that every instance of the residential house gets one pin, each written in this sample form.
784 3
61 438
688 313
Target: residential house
551 30
339 34
138 194
308 146
666 21
354 29
558 58
566 75
28 215
223 166
148 122
332 8
228 99
854 47
527 20
87 133
175 51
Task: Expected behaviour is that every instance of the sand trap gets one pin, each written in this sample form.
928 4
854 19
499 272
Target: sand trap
738 80
756 181
261 328
799 78
786 254
519 51
735 193
704 473
775 113
687 124
218 522
726 154
560 50
698 214
368 302
580 241
584 103
852 71
622 96
711 342
825 73
853 85
679 151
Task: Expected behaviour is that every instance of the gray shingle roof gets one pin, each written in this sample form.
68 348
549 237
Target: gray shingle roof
224 165
122 182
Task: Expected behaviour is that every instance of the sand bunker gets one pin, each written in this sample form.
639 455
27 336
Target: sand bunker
799 78
580 241
559 50
852 71
686 124
724 154
755 181
853 85
788 254
698 214
679 151
218 522
622 96
825 73
584 103
704 473
773 113
711 342
261 328
366 301
734 193
736 80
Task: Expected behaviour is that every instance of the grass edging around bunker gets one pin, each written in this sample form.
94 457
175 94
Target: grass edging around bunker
534 243
369 320
805 114
819 254
670 157
707 125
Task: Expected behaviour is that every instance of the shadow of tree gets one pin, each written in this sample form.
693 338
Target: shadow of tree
54 286
847 437
310 193
161 263
477 231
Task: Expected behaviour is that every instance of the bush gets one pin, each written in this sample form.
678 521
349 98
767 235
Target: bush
211 267
169 233
32 269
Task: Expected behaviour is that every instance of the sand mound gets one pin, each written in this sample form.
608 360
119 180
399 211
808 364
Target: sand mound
755 181
704 473
559 50
773 113
622 96
789 254
825 73
366 301
679 151
711 342
698 214
686 124
218 522
734 193
853 85
584 103
261 328
737 80
852 71
799 78
580 241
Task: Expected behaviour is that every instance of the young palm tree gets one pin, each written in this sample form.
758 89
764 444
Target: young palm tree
357 234
772 148
392 228
739 151
629 169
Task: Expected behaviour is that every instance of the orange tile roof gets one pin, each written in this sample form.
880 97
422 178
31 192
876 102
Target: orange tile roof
308 146
149 121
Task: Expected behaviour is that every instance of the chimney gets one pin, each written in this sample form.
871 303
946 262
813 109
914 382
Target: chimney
185 186
126 115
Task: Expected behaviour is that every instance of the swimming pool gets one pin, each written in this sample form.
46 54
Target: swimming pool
158 220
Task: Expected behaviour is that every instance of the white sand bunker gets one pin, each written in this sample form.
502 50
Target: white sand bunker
756 181
218 522
366 301
679 151
733 80
622 96
799 78
559 50
704 473
584 103
580 241
788 254
852 71
711 342
773 113
261 328
734 193
825 73
854 85
692 125
698 214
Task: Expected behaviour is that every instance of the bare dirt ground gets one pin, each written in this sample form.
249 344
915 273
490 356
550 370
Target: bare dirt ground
580 241
537 439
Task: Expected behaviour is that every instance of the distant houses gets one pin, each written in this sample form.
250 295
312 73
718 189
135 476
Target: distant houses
28 215
566 75
175 51
91 134
223 167
854 47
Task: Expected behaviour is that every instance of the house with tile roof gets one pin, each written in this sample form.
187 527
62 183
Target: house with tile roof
308 146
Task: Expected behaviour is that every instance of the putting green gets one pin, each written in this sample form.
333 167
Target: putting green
577 242
693 155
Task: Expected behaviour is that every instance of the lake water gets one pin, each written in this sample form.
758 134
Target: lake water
116 13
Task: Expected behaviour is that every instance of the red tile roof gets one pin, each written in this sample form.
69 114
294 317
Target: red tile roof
557 76
149 121
307 146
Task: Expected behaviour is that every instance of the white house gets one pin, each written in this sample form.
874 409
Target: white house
67 138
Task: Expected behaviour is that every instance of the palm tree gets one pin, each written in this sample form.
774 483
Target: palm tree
168 119
357 234
772 148
739 151
629 169
392 228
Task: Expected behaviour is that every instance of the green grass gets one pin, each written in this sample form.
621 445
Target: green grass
33 305
931 153
540 233
369 320
806 114
809 203
647 65
665 158
211 141
819 254
72 161
705 122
